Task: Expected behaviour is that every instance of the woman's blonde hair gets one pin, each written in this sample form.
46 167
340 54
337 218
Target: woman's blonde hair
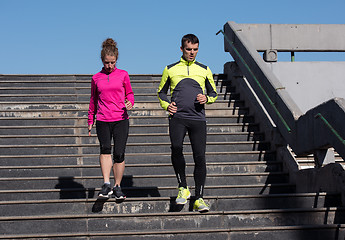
109 47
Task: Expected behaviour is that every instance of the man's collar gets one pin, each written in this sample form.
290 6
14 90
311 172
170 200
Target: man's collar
187 62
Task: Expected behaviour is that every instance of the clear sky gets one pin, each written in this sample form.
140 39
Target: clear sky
65 36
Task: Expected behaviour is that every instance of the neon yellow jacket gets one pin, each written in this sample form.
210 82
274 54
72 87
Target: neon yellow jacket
186 80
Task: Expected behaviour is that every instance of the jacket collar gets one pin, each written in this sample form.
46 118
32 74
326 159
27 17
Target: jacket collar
108 73
186 62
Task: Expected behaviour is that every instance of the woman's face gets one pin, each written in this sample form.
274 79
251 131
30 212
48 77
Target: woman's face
109 63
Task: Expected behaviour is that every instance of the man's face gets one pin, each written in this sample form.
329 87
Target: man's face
189 51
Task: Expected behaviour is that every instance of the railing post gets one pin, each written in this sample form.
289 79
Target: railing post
323 157
292 56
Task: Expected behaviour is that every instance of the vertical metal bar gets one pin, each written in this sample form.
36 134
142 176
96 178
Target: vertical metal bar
292 56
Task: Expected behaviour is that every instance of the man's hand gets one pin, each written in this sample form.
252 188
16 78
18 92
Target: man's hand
172 108
201 98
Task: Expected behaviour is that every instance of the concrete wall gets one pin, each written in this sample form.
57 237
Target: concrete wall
295 37
300 91
311 83
321 123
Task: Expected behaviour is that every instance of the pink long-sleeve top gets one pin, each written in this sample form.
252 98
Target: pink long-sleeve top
108 94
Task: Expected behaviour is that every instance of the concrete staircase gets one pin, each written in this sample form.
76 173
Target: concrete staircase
50 176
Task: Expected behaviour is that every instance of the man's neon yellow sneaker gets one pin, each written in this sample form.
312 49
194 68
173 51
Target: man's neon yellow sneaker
201 206
183 195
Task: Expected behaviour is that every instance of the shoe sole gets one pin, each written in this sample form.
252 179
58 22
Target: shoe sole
105 196
202 210
122 197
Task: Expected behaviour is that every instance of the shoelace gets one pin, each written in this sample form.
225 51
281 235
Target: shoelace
202 202
180 193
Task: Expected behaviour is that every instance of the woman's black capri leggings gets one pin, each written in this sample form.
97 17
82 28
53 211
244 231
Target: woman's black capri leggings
118 131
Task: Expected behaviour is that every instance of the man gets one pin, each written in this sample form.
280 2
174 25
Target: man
191 87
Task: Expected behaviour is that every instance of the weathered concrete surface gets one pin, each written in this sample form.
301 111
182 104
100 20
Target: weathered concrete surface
295 37
311 83
284 110
308 96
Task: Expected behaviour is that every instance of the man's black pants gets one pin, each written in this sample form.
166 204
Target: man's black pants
197 134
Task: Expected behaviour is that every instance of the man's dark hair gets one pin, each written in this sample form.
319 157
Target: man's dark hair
189 38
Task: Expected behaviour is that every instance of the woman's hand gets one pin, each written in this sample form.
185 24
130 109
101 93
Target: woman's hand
128 104
90 127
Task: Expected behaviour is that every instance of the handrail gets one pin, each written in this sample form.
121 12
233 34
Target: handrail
256 81
319 115
305 134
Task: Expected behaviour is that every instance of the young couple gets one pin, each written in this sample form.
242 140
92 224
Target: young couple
191 86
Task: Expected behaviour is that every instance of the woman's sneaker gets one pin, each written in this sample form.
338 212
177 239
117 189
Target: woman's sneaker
200 205
118 193
183 195
105 191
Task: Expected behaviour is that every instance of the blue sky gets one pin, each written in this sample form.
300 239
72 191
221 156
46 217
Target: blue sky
65 36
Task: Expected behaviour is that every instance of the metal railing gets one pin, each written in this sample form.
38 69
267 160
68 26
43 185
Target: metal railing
256 81
295 126
330 127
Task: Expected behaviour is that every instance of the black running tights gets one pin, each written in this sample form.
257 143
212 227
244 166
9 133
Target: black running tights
197 134
118 131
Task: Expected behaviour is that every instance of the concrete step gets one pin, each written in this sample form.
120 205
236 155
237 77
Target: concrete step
23 98
316 232
134 120
166 204
69 189
84 105
35 90
308 161
85 80
134 169
76 130
77 178
134 158
38 90
31 149
74 111
40 77
83 95
132 138
83 88
20 122
136 80
170 221
20 84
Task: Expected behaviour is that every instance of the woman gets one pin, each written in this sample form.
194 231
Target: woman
111 97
